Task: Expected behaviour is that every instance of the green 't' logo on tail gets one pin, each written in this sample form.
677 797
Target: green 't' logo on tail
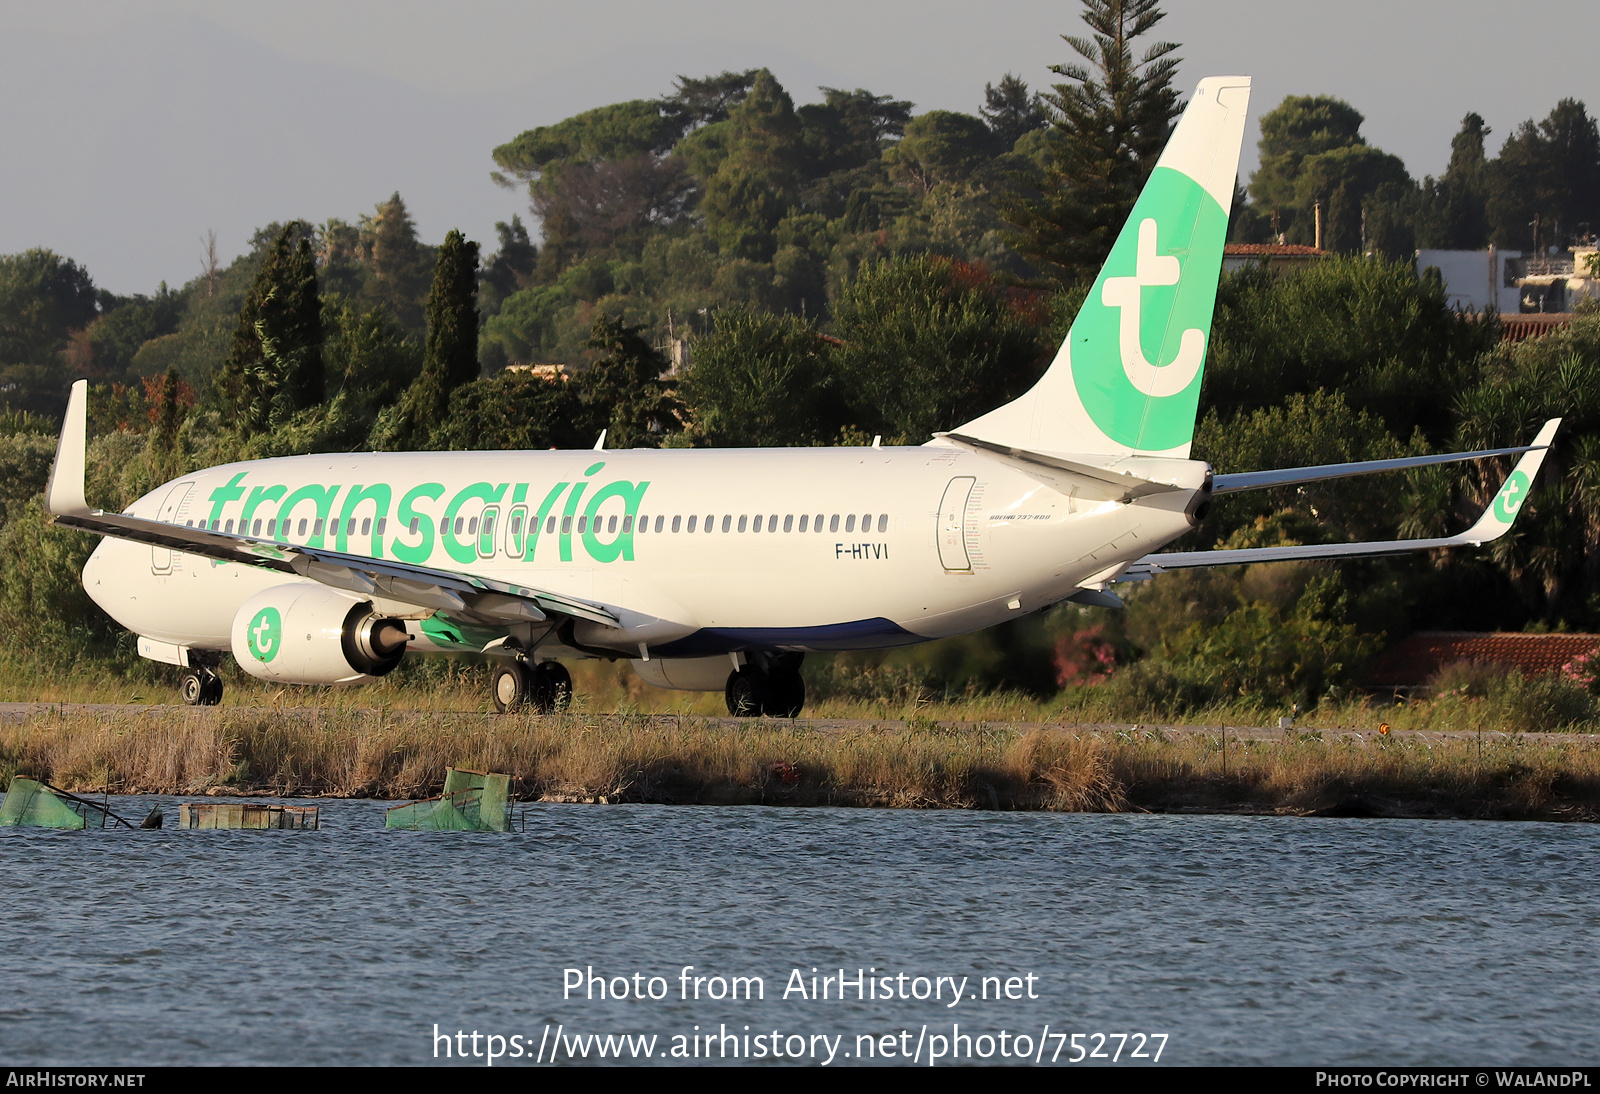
1139 343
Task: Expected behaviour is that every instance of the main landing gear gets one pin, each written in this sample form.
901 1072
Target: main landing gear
201 687
545 687
774 688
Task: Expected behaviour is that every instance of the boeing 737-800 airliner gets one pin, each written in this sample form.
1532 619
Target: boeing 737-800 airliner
722 569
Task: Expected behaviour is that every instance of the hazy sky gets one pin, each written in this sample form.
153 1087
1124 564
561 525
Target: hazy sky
132 127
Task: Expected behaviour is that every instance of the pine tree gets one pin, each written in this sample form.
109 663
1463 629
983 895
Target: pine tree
1109 122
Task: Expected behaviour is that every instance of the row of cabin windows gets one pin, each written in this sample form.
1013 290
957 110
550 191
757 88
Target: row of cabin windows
745 523
314 526
470 524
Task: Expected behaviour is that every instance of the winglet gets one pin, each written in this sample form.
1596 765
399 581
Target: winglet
1502 511
63 496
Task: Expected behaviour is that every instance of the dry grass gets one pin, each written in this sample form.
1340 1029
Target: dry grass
921 764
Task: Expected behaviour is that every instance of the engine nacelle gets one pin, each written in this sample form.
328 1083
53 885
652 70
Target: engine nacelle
311 634
685 673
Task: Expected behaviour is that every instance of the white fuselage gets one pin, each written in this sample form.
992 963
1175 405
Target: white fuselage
696 552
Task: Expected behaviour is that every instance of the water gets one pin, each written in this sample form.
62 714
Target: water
1265 940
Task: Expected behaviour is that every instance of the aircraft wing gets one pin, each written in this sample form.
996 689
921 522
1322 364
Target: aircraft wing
1495 522
1288 476
455 593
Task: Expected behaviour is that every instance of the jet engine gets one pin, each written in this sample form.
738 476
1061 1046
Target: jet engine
311 634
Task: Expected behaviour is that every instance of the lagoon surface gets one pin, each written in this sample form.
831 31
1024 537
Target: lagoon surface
1242 939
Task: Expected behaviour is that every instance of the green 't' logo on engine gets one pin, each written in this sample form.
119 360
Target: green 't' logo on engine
1511 497
265 634
1139 343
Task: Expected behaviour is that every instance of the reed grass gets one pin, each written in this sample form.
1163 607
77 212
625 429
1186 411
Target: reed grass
388 753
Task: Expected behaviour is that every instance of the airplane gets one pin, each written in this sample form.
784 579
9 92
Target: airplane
721 569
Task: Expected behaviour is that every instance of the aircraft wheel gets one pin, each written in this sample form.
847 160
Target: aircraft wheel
747 692
786 694
210 690
552 687
510 687
192 688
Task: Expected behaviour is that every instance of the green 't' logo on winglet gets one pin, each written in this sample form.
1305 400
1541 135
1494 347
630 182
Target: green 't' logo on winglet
265 634
1511 497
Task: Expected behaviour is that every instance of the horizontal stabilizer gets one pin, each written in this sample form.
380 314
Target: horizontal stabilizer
1495 521
1289 476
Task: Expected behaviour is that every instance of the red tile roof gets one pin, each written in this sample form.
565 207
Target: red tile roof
1269 250
1518 328
1412 661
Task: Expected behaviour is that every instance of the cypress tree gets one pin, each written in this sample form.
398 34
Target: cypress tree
274 366
451 355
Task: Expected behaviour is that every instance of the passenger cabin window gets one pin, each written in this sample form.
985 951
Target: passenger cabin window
366 526
272 526
303 523
416 525
727 522
550 526
788 523
255 529
833 524
883 522
755 527
674 523
772 523
691 523
382 523
627 524
742 522
850 523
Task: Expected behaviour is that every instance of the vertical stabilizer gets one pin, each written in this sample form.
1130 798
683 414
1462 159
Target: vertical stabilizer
1127 379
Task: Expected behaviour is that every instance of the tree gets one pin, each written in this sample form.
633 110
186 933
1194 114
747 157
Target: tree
757 181
1374 331
450 357
274 366
707 100
1109 122
941 146
1550 171
623 389
594 175
43 299
397 263
762 379
1010 112
929 343
1453 212
1312 150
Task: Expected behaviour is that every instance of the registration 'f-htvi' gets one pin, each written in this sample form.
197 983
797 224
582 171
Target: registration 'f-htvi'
722 569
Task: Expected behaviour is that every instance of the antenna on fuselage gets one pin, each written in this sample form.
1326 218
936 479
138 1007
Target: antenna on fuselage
599 446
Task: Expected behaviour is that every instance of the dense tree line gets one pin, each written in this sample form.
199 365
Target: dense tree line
849 268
